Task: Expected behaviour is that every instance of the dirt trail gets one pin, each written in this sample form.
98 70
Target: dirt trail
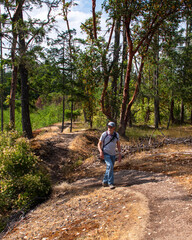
170 206
144 205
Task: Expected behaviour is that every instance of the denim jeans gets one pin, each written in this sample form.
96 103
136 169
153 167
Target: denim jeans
109 160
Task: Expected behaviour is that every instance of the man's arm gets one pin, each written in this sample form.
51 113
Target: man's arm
100 149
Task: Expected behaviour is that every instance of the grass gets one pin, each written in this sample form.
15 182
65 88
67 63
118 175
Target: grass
47 116
40 118
135 133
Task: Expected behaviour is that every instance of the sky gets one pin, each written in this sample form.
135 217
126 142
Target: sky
77 15
81 12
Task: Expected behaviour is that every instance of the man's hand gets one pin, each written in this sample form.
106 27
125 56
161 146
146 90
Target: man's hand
102 155
119 150
119 158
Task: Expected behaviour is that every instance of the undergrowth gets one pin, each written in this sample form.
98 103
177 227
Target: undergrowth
136 132
41 117
23 183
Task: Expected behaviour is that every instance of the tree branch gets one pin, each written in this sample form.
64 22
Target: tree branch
53 4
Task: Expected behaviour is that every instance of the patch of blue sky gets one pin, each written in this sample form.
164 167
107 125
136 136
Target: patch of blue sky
86 5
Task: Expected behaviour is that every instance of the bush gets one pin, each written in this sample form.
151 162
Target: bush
22 182
76 114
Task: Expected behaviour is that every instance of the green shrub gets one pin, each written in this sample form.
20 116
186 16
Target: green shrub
17 160
22 182
76 114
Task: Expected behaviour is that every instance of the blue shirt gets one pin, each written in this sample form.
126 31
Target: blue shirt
111 147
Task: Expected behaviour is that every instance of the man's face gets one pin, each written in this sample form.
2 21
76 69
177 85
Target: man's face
111 129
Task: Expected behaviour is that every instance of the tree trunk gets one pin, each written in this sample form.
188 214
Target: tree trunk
63 114
14 19
2 92
85 116
171 116
156 111
26 123
91 122
127 113
123 124
12 96
115 110
71 127
13 79
148 112
94 19
124 57
172 111
106 108
155 83
182 113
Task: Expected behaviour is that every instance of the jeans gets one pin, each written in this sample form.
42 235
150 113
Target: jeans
109 160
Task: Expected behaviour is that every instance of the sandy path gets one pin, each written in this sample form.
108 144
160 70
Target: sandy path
170 206
144 206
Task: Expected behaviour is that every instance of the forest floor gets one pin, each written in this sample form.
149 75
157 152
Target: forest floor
152 199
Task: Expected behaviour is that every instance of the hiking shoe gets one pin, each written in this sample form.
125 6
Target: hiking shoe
104 184
111 186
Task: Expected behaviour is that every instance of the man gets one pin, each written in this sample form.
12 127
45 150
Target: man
107 148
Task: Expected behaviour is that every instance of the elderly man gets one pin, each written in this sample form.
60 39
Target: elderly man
107 148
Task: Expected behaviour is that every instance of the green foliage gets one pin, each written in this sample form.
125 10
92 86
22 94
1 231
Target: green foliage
51 114
100 121
42 117
76 114
22 182
46 116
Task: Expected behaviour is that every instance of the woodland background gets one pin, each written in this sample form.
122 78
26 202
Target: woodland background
138 73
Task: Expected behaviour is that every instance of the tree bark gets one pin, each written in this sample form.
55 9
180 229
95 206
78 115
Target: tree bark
172 111
63 76
71 127
155 82
125 94
148 112
115 73
2 91
26 123
124 57
127 114
63 114
182 112
156 111
14 19
12 96
171 115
